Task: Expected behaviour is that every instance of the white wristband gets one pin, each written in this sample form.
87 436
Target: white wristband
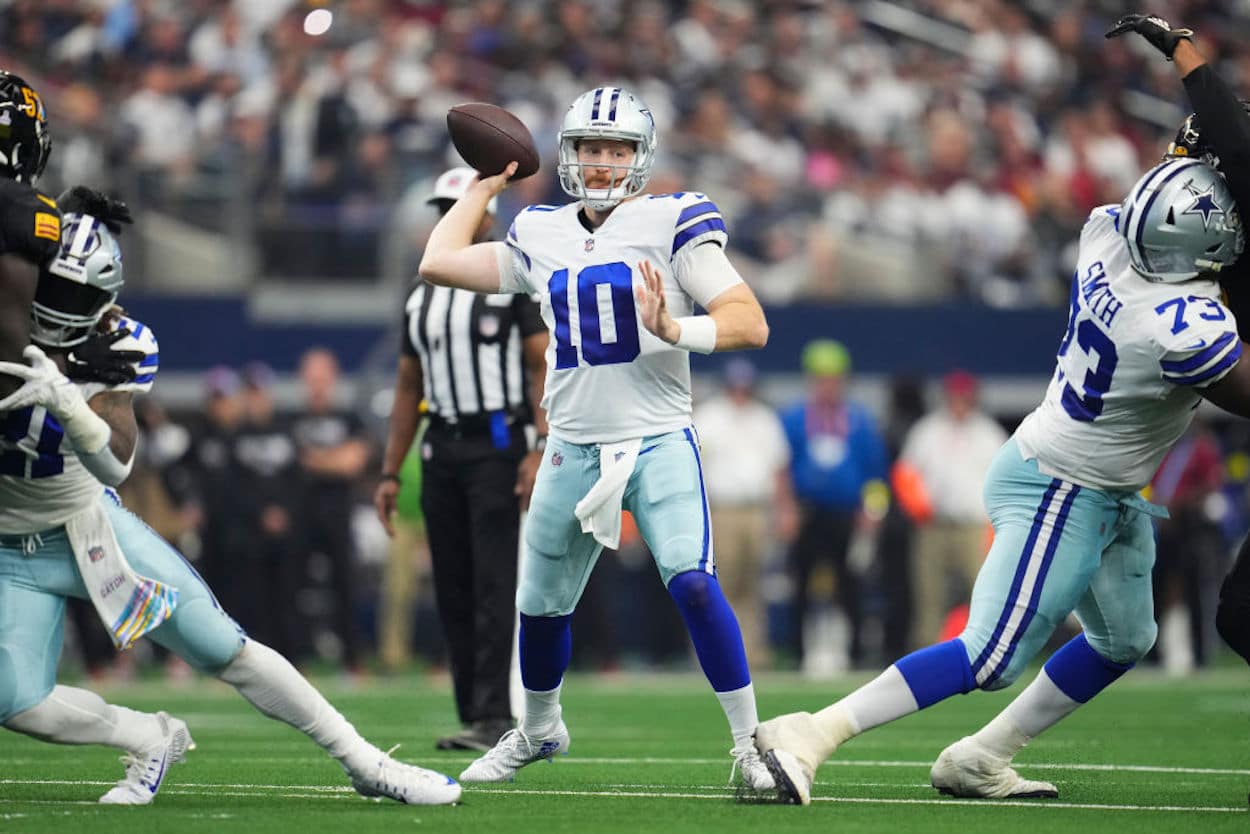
696 334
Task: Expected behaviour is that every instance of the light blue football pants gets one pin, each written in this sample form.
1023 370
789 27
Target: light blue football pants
1058 548
665 494
35 584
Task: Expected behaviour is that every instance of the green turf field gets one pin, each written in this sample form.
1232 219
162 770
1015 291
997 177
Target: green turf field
649 754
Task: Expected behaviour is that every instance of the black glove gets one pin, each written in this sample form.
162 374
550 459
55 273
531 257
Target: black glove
1156 30
83 200
95 360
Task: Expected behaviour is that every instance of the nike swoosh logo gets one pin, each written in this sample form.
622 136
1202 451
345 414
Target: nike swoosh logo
156 784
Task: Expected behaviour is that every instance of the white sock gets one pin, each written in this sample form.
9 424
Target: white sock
1039 706
542 712
75 716
739 707
271 684
883 699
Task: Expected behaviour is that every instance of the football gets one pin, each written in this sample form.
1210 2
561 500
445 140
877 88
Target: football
489 137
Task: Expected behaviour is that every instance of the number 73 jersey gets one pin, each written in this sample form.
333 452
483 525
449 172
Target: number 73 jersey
1130 368
608 377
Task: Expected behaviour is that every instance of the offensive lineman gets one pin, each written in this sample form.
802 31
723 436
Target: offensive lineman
609 269
1147 339
60 444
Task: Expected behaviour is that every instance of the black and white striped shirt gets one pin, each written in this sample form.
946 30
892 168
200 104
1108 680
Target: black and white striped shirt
469 346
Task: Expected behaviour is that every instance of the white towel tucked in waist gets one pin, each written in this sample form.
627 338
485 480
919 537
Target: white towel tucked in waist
129 604
600 511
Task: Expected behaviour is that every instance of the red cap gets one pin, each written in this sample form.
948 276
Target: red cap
960 383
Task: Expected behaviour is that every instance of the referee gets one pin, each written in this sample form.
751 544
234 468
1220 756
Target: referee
479 360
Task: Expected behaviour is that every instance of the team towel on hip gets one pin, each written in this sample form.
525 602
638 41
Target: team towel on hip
129 604
600 511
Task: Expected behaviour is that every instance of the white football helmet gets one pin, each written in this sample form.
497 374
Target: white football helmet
1180 220
607 113
78 285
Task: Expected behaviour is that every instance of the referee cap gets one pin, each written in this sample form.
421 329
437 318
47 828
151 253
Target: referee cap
452 185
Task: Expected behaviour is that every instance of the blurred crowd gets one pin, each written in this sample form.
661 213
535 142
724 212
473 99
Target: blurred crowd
908 150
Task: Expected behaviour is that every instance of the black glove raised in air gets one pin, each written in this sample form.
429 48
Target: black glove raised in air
95 360
1161 35
83 200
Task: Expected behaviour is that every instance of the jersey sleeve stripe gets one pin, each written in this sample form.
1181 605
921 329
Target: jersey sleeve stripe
1212 373
712 224
150 361
1192 363
144 379
697 210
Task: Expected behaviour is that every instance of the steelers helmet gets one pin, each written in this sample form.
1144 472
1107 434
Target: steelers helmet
24 140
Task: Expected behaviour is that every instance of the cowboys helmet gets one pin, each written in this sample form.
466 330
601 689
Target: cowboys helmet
607 113
77 286
1179 220
1190 143
24 140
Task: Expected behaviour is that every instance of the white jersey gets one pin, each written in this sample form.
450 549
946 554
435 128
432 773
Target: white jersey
608 377
1129 369
42 483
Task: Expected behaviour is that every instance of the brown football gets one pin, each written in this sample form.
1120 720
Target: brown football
489 137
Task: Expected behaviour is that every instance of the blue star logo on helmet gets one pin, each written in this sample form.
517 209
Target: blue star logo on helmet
1204 203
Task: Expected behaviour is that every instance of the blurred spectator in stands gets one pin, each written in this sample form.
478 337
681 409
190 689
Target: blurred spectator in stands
214 476
938 481
838 466
1190 561
332 455
267 568
746 462
406 576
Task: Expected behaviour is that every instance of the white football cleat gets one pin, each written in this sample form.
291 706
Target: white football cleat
513 752
409 784
145 771
786 745
968 769
755 773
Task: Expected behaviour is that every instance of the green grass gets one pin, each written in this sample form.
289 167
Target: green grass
650 754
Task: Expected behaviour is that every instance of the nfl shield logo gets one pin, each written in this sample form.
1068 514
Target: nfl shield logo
95 554
590 244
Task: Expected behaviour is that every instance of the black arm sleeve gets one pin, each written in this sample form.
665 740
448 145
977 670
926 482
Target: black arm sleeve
1226 128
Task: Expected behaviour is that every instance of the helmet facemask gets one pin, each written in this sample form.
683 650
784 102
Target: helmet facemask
78 286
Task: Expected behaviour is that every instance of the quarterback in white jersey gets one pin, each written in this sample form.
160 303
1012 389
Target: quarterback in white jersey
1147 339
64 534
619 273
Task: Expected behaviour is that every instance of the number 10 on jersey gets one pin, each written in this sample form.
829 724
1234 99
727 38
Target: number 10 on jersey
605 294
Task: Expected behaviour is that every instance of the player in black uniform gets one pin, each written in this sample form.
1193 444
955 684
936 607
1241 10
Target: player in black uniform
1219 132
30 224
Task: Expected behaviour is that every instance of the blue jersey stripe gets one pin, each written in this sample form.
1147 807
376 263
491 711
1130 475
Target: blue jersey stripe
1215 370
1182 366
144 379
697 210
138 330
712 224
150 360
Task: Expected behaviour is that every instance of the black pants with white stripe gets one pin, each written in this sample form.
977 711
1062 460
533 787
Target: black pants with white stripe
473 519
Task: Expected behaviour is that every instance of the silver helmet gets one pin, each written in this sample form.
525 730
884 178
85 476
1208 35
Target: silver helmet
78 285
607 113
1180 220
